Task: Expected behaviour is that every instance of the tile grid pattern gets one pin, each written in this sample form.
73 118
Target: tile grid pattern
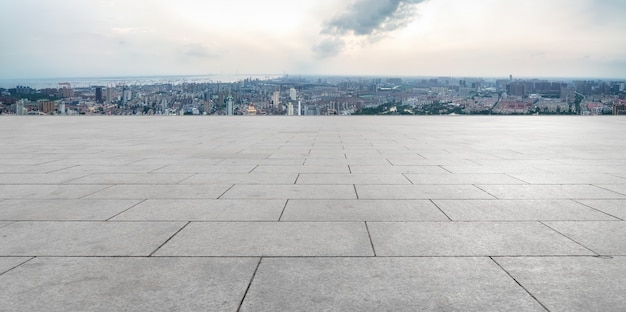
274 213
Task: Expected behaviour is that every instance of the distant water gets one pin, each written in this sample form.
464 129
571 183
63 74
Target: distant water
104 81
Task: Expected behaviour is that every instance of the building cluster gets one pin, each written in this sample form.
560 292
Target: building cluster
324 96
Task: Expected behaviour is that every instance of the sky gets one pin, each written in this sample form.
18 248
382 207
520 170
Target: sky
470 38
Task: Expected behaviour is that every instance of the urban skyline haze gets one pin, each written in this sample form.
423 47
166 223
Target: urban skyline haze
73 38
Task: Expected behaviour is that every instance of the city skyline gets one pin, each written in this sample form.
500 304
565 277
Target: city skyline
581 38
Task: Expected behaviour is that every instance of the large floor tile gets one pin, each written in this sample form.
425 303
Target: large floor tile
134 191
302 169
85 238
462 178
615 207
242 178
518 210
48 191
37 178
291 192
549 192
8 263
469 239
618 188
63 209
603 237
270 239
384 284
204 210
420 192
352 179
572 283
131 178
551 178
127 284
362 210
396 169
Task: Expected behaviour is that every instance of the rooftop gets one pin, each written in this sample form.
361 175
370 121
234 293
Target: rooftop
312 213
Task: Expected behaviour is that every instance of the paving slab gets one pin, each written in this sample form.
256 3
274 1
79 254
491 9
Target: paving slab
307 178
48 191
270 239
615 207
205 169
618 188
204 210
157 191
362 210
86 169
492 169
549 191
291 192
397 169
421 192
63 209
131 178
462 178
469 239
384 284
37 178
127 284
572 283
302 169
242 178
518 210
85 238
38 169
552 178
603 237
8 263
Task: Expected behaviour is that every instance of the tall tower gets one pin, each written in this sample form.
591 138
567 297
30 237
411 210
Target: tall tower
229 105
293 94
276 99
299 107
99 95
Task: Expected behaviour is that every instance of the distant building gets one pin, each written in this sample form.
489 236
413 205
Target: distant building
99 95
46 107
619 109
229 105
293 94
276 99
251 109
290 109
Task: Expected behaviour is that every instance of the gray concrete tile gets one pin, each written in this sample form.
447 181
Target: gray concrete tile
462 178
384 284
270 239
205 169
242 178
291 192
420 192
492 169
302 169
86 169
419 161
307 178
397 169
157 191
265 162
362 210
38 169
48 191
5 223
85 238
37 178
618 188
469 239
8 263
614 207
549 191
131 178
518 210
351 161
204 210
572 283
125 284
551 178
603 237
63 209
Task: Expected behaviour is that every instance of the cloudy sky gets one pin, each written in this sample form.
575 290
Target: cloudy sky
532 38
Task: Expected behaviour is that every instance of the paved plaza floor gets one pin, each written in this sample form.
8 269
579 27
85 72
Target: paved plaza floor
257 213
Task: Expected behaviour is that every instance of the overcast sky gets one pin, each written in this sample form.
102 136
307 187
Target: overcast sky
533 38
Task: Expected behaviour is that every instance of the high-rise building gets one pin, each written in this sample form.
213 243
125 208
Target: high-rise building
293 94
46 107
299 107
276 99
290 109
99 95
229 105
109 94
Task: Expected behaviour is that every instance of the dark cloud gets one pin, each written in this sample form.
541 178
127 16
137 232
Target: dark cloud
370 19
329 47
